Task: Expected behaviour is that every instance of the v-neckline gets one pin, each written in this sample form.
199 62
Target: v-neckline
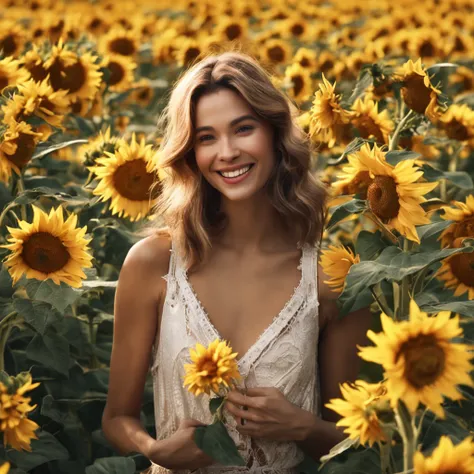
281 318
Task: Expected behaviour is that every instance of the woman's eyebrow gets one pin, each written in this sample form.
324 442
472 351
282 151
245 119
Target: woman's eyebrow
232 123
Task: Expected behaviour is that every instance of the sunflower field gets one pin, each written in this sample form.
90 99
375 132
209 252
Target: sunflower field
385 91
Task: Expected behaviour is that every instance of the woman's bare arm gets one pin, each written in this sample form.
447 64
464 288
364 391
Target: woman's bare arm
137 301
338 363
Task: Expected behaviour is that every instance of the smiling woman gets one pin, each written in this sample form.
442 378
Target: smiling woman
243 217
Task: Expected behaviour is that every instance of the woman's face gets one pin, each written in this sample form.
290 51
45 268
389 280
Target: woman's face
230 138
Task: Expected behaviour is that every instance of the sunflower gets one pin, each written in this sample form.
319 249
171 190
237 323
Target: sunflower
164 46
326 62
336 263
11 73
275 51
97 147
121 70
369 122
364 408
463 218
354 62
49 248
424 44
295 27
12 38
457 270
142 93
418 93
4 468
301 82
458 123
79 74
459 45
327 113
393 196
212 368
120 41
16 148
33 62
463 78
230 29
420 361
18 430
37 99
447 458
187 51
125 177
306 58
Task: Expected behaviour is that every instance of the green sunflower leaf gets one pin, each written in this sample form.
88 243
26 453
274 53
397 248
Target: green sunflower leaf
215 441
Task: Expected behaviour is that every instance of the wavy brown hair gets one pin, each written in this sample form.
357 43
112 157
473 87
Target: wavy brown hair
188 207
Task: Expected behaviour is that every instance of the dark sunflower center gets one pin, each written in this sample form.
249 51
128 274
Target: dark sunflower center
70 78
427 50
327 65
297 29
3 82
37 71
424 360
210 366
276 54
117 73
122 46
415 94
45 252
304 62
132 180
191 54
233 32
462 267
359 184
464 228
298 84
367 127
25 148
383 197
8 45
456 130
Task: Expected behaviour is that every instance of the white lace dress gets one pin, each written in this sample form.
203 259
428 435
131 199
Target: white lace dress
284 356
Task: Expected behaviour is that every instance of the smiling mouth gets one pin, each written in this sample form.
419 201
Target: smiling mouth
236 173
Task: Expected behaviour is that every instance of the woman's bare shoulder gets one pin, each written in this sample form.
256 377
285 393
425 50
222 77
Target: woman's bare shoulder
149 256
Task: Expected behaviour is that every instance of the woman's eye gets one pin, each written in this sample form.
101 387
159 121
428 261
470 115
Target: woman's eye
244 128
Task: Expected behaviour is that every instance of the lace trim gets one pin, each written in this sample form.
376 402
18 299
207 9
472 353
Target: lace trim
278 323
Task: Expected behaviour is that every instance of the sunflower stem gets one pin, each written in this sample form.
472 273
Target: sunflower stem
405 425
393 141
5 211
381 301
21 189
94 361
404 305
5 328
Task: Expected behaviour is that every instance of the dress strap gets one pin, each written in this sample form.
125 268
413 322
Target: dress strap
170 277
310 268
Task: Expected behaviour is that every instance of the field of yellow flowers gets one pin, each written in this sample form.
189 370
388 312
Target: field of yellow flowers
385 90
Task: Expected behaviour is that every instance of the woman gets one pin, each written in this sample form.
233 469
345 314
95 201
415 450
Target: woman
244 219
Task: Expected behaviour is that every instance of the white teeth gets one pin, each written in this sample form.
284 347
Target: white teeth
234 174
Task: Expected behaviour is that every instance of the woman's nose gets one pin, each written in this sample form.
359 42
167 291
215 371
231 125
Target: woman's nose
227 150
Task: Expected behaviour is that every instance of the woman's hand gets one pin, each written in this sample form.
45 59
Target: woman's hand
269 415
179 451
